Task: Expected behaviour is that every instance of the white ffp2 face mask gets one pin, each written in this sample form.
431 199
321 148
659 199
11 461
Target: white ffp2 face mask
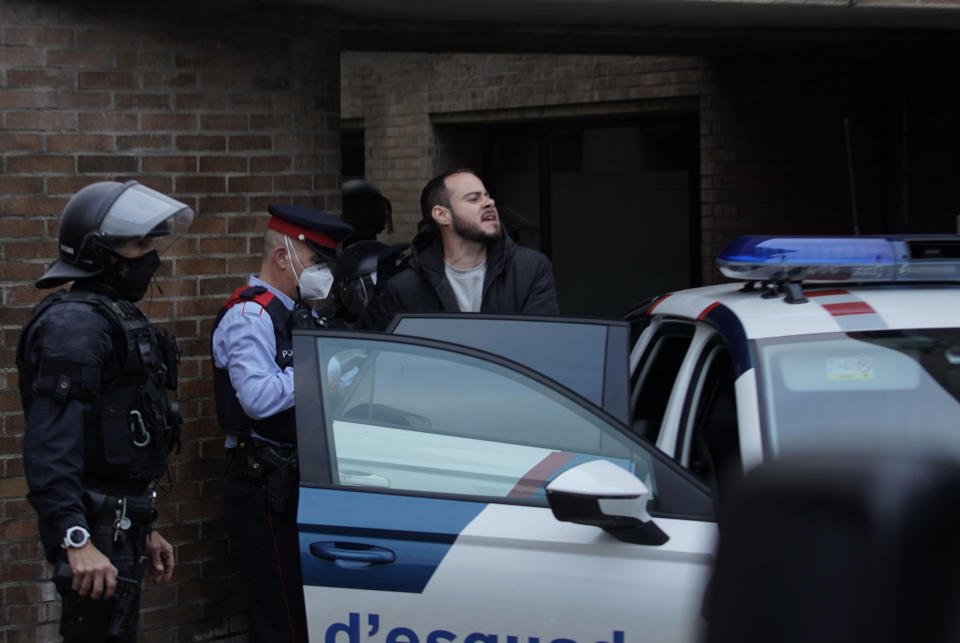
314 282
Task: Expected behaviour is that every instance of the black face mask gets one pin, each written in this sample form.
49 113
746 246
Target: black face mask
131 277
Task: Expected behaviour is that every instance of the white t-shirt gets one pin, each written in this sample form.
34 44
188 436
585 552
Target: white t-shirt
467 286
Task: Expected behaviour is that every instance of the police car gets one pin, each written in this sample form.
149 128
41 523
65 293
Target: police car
480 479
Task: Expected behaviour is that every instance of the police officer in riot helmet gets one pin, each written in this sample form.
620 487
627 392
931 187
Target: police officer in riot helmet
366 209
364 262
94 376
355 277
253 378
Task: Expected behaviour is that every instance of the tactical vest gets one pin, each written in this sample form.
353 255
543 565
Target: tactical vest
281 427
134 426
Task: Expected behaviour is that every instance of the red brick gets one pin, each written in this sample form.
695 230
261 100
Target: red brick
144 142
251 143
40 78
41 120
202 143
223 245
33 205
197 184
218 286
201 266
79 143
16 249
221 204
39 164
21 142
79 58
20 227
176 164
250 184
206 223
243 265
106 80
106 121
200 101
81 100
223 164
109 39
230 122
38 37
24 56
21 185
141 100
261 164
292 183
252 223
178 79
169 121
112 163
27 98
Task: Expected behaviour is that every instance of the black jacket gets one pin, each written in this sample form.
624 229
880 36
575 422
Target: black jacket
518 280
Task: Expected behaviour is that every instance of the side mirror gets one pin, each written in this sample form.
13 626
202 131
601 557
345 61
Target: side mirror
601 494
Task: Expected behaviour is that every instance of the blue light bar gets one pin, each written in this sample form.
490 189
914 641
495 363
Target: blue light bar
833 259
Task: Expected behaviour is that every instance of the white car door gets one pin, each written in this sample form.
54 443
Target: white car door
423 515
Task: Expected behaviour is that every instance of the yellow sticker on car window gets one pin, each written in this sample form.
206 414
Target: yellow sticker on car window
850 368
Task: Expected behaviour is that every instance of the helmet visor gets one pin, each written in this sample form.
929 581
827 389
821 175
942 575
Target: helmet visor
141 212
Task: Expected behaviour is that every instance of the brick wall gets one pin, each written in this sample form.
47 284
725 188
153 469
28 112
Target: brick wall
401 97
223 106
772 150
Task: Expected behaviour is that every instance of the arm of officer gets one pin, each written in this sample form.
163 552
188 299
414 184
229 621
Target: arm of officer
159 559
53 442
380 310
542 298
245 345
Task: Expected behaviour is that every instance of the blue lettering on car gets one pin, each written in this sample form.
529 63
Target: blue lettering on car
408 635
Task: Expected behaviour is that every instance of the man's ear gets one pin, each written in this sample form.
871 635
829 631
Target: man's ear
281 257
441 215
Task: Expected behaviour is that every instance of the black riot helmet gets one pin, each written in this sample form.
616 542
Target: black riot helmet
366 209
355 274
104 215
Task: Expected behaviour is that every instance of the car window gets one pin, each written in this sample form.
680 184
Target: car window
654 377
710 441
420 419
895 388
572 353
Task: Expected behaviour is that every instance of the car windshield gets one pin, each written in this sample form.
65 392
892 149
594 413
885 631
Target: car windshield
896 389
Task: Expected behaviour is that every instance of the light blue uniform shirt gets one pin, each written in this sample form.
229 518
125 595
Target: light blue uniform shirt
245 345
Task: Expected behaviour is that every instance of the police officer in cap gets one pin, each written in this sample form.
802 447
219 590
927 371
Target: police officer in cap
252 352
93 379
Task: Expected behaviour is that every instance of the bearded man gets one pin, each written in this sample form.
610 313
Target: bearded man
461 260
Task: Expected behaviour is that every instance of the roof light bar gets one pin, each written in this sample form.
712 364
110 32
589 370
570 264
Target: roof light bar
834 259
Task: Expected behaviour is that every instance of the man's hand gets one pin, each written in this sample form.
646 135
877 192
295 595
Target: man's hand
93 573
159 567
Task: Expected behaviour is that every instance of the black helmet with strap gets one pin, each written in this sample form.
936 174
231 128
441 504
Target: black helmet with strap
103 215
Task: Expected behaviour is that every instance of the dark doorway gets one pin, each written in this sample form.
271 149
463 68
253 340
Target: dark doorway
614 200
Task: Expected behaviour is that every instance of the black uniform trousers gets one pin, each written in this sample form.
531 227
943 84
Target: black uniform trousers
267 548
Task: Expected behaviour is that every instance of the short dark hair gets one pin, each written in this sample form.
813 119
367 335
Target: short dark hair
436 193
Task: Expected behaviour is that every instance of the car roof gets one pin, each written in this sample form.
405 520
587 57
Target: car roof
829 308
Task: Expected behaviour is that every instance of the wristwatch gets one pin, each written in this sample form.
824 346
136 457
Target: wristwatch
76 537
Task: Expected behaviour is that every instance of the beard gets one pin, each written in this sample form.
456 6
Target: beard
473 232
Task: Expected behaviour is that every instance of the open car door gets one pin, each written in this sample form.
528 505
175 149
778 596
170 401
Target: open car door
452 495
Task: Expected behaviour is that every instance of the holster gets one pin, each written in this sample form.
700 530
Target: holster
274 467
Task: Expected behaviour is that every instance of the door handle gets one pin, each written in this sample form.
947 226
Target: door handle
352 554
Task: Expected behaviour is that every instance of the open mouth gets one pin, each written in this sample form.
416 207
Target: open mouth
492 216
